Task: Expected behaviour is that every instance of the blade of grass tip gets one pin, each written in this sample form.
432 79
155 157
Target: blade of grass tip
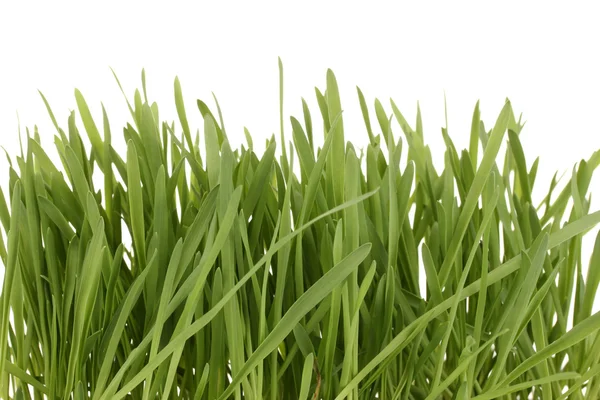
249 139
470 203
592 281
374 181
71 271
220 114
562 199
108 172
3 255
351 288
337 154
448 201
490 207
365 113
166 294
18 345
56 216
304 343
312 324
519 155
389 298
179 104
284 159
506 343
589 374
205 111
533 172
161 223
540 294
578 205
54 272
202 383
262 321
575 228
283 260
218 362
150 136
136 205
235 331
315 176
331 335
114 331
579 332
419 122
248 249
4 214
93 214
481 299
143 152
111 288
80 183
352 217
308 124
34 264
259 180
79 392
539 338
213 160
123 92
20 136
362 292
408 131
91 129
24 377
393 228
399 340
384 122
206 262
144 85
87 287
594 389
206 318
546 201
506 390
322 102
303 148
474 138
50 113
296 312
435 339
10 269
445 111
306 377
191 242
438 389
435 291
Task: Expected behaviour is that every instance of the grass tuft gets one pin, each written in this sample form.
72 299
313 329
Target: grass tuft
254 276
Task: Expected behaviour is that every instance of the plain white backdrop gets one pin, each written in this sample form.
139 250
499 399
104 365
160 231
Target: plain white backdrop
544 56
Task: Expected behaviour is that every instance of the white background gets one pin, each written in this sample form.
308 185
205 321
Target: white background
544 56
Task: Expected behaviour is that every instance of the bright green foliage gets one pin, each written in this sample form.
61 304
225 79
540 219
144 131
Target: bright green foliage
296 276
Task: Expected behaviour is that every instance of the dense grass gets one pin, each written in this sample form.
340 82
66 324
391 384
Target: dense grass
247 277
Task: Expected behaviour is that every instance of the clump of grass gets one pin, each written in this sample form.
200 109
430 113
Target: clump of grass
249 278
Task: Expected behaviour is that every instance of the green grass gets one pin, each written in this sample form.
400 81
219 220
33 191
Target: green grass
155 273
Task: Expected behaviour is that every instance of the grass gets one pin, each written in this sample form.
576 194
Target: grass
296 277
